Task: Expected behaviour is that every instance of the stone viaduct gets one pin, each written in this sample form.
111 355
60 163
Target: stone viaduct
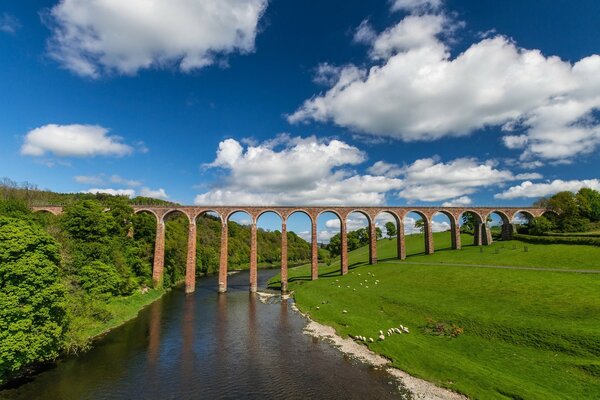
482 232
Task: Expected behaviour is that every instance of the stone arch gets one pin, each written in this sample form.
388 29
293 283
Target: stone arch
177 210
549 212
333 211
506 227
205 212
334 215
176 273
209 261
528 214
372 230
427 234
477 222
269 210
298 210
455 240
400 246
278 253
54 210
232 211
149 211
46 211
312 218
503 216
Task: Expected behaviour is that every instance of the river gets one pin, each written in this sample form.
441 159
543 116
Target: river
211 346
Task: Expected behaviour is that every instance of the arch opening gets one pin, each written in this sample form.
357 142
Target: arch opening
497 226
416 225
176 241
240 225
443 231
389 246
208 242
522 222
470 228
144 223
299 236
329 239
358 233
269 231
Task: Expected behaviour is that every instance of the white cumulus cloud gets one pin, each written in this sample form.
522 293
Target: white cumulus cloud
458 202
156 194
294 170
416 89
73 141
430 179
92 38
529 189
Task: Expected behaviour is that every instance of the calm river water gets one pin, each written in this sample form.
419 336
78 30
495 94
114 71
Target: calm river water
210 346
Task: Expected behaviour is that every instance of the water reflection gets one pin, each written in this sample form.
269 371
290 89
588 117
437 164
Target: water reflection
207 345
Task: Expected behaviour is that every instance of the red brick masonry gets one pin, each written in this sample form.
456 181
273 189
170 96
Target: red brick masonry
482 232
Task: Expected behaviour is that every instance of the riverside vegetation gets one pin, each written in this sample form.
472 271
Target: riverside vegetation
66 279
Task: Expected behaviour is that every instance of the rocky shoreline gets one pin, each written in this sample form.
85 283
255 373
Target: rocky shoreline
418 388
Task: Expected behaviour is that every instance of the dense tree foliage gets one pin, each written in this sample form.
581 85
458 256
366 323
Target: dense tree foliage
390 228
59 273
574 212
356 239
33 315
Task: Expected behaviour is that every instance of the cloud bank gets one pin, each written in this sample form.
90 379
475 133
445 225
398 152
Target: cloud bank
92 38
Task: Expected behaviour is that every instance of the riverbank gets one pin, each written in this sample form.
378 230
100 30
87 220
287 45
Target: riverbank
418 388
122 309
482 332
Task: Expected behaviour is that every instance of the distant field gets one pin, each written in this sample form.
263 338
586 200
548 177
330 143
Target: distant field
509 253
527 334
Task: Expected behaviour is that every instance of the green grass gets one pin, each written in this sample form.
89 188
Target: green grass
508 253
84 329
527 334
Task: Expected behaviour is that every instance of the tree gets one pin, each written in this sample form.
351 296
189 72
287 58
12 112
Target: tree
378 233
420 224
102 280
540 225
32 298
390 227
588 202
86 221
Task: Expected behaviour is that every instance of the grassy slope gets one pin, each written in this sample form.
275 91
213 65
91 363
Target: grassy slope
528 334
122 310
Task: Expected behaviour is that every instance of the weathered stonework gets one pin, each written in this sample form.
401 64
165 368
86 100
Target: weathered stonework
482 235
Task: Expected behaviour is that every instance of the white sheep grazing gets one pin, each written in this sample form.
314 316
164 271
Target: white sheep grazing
371 340
381 332
405 330
381 337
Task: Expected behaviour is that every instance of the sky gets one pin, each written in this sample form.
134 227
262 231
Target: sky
399 102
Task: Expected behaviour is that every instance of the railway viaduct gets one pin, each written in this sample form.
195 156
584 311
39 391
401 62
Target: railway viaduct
482 232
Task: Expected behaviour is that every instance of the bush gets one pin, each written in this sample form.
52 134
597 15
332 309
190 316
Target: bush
32 298
540 226
586 241
438 328
100 279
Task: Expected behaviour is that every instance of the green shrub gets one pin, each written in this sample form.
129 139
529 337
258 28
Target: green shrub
587 241
32 298
98 278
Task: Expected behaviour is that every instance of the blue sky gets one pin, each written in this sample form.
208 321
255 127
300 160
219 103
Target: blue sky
277 102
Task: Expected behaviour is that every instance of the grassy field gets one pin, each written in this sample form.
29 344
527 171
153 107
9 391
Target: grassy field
509 253
527 334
